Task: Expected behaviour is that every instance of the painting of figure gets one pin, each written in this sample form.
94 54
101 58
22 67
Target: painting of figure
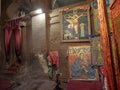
80 66
75 24
96 50
96 21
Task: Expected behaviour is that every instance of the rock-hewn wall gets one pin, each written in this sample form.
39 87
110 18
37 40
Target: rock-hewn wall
55 43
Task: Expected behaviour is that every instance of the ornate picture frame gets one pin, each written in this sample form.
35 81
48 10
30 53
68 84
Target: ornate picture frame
75 24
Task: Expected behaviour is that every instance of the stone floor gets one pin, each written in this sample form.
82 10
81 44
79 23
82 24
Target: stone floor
31 76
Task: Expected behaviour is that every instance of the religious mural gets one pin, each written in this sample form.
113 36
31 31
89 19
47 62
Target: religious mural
80 63
75 24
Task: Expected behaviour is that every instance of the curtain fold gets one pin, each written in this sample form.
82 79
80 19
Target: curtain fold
108 60
13 27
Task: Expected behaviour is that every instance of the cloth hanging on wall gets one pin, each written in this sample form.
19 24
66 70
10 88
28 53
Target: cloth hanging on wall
54 58
13 27
96 50
108 61
53 64
115 15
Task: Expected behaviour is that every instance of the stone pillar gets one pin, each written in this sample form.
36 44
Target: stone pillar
104 31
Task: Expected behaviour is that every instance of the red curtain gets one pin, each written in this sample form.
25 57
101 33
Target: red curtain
115 12
13 27
54 58
108 63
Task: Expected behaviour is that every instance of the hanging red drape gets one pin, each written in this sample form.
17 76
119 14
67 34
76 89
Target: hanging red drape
115 15
13 27
54 58
108 63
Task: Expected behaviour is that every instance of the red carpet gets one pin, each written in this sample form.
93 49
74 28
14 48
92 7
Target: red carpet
84 85
5 84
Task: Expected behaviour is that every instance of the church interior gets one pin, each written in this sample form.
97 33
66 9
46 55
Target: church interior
59 45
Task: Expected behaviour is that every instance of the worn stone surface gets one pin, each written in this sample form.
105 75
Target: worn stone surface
34 76
31 76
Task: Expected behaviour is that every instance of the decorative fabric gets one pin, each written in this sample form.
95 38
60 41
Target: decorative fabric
53 64
115 14
54 58
11 27
96 50
106 44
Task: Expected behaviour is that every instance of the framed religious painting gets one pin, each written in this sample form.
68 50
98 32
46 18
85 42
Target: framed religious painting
95 18
96 50
80 67
75 23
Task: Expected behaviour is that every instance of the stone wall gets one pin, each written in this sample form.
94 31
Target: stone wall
55 43
38 35
30 38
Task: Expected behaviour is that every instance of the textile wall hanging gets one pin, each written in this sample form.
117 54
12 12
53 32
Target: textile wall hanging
115 14
53 64
96 50
117 26
105 38
13 27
